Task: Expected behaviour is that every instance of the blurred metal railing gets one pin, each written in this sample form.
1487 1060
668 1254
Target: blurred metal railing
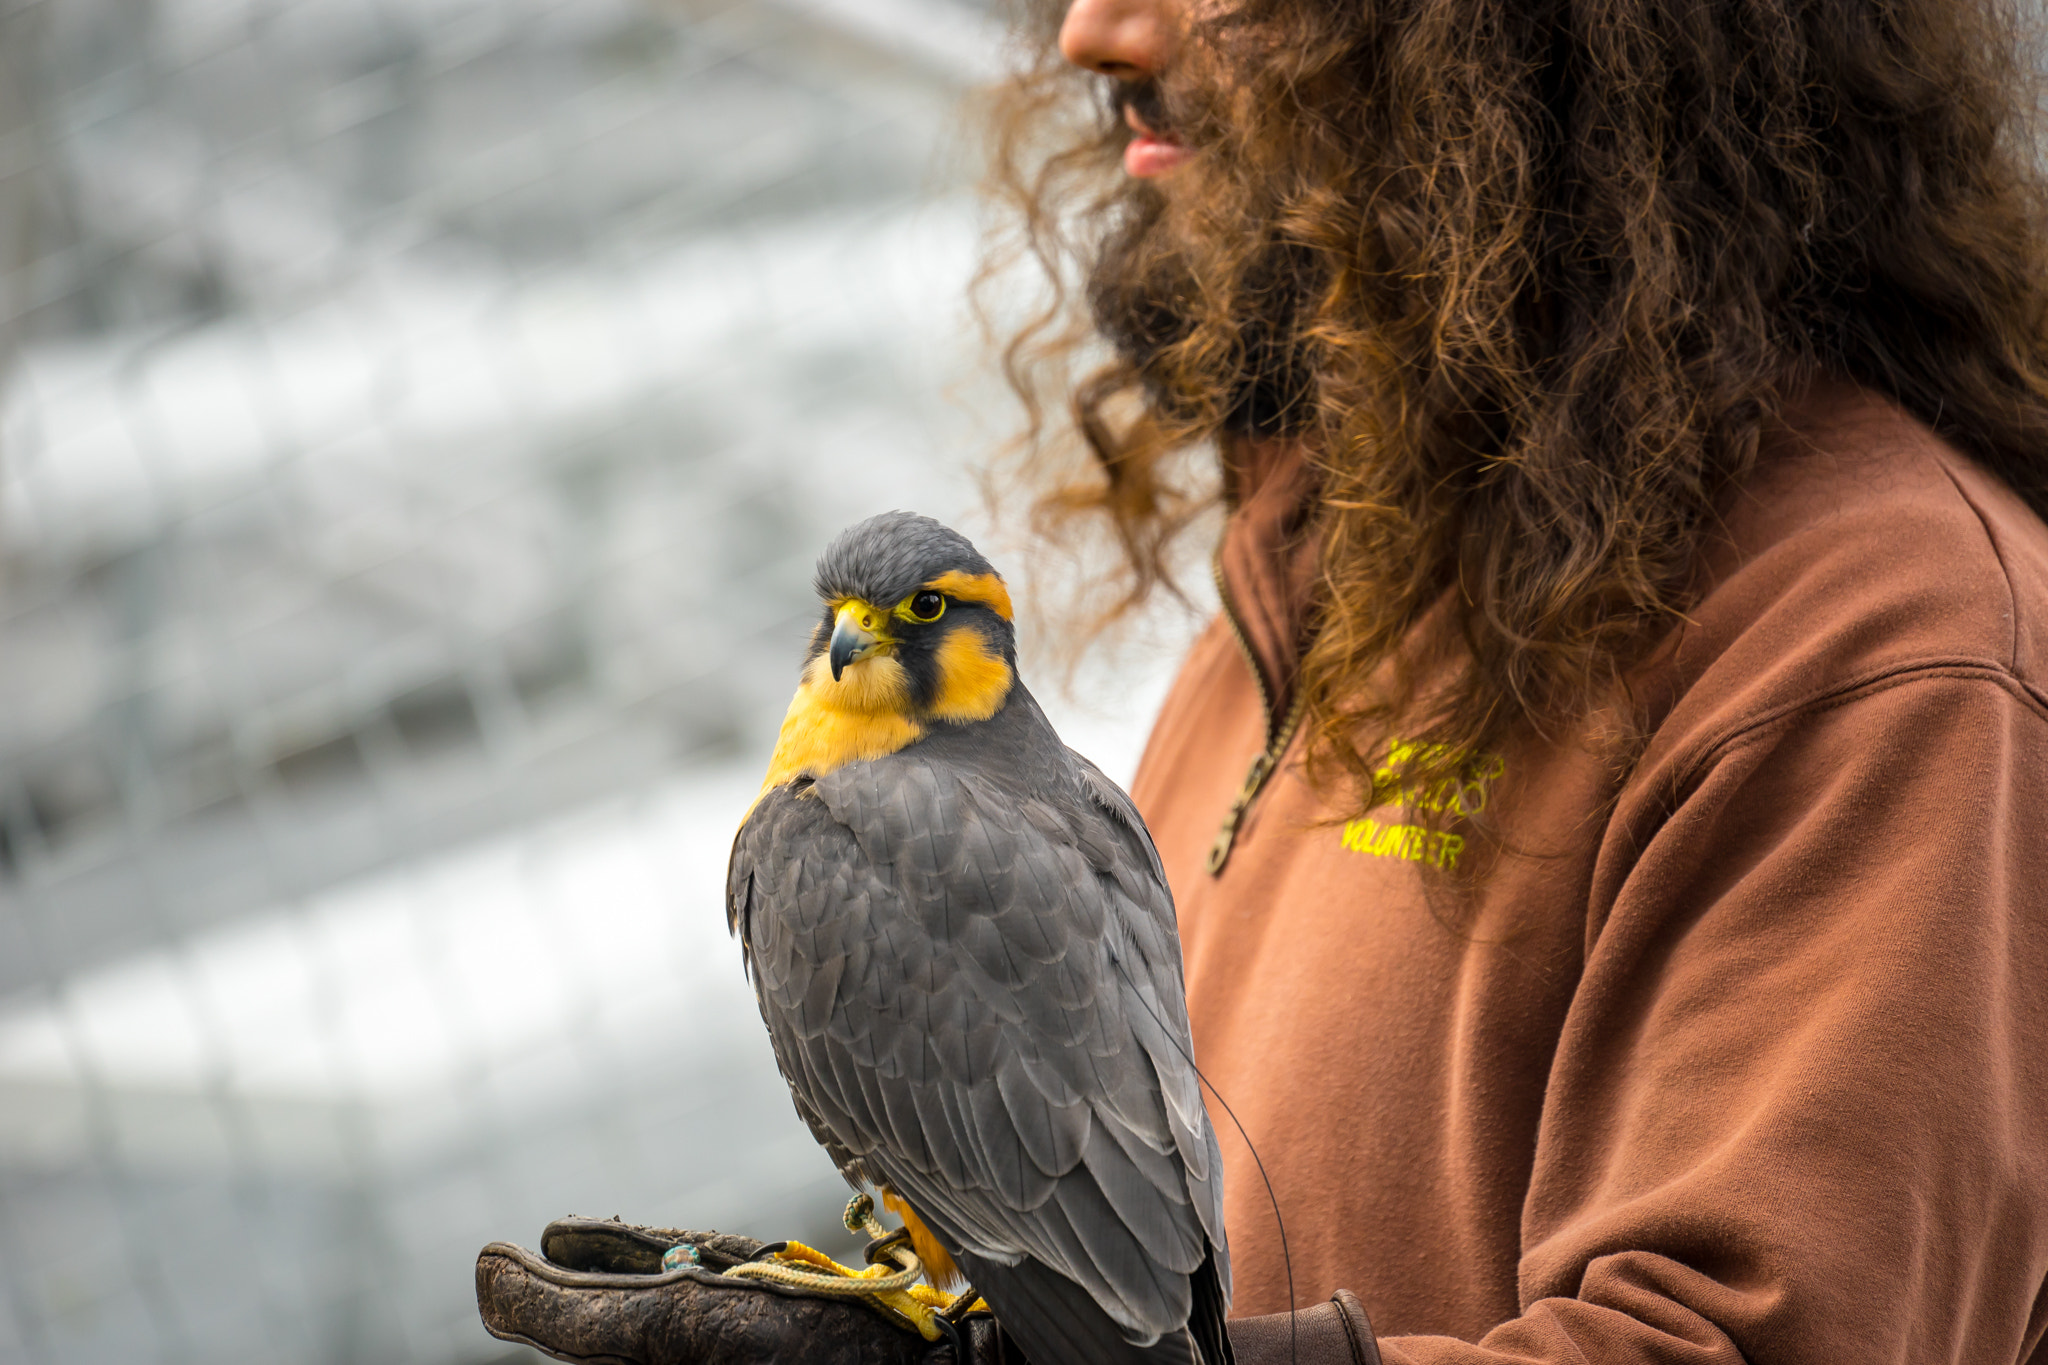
417 420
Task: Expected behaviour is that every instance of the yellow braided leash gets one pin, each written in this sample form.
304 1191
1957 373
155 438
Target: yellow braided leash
893 1287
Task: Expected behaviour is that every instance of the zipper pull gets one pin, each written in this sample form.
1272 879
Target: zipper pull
1219 852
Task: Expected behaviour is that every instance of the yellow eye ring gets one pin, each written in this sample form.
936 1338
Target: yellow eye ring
923 606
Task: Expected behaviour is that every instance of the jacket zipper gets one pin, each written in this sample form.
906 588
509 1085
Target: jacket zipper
1277 739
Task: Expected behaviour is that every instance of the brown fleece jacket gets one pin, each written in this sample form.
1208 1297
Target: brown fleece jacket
1740 1054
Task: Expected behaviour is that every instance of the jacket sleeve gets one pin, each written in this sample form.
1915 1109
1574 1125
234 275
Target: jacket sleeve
1800 1108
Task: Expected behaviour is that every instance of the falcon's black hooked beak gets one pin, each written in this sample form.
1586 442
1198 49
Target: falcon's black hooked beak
856 634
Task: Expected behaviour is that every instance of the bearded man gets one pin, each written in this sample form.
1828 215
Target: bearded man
1606 820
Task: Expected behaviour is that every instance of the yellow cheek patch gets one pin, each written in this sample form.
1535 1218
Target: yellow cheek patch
973 680
830 724
984 588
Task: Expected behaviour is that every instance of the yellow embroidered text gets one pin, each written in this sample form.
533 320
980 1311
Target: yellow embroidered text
1467 797
1411 842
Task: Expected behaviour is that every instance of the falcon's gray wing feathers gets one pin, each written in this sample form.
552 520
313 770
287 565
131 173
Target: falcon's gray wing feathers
1124 811
1182 1085
1031 1044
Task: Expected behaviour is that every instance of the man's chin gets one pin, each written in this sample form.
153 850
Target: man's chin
1142 283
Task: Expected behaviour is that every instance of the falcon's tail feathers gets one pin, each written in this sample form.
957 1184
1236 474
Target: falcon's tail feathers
1206 1324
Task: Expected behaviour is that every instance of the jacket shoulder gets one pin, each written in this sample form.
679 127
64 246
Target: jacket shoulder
1862 547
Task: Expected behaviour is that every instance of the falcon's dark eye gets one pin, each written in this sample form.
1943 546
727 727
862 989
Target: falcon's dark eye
926 606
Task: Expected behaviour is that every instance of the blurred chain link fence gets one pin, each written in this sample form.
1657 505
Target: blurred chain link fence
417 421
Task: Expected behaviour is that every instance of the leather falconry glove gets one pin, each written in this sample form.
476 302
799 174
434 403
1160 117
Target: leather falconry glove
598 1293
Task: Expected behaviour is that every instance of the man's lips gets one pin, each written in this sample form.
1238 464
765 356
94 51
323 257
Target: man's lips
1149 153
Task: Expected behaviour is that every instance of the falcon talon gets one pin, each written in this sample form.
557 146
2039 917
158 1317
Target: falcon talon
962 943
882 1246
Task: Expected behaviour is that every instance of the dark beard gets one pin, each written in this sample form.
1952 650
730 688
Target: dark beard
1141 292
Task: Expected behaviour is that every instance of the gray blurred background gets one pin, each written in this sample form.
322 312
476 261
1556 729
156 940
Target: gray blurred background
417 421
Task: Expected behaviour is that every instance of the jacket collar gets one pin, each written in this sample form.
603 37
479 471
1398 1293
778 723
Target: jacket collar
1266 565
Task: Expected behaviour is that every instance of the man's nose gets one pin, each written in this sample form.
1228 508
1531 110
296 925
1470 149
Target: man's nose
1130 39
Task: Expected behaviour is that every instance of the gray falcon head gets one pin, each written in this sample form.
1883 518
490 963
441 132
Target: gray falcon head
914 613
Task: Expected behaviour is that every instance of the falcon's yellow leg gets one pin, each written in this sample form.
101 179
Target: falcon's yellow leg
938 1264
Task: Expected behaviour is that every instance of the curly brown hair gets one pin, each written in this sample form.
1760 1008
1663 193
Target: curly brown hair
1528 279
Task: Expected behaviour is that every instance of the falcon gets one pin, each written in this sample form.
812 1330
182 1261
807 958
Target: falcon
964 950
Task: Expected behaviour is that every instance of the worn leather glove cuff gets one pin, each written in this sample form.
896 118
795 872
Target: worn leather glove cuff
1332 1333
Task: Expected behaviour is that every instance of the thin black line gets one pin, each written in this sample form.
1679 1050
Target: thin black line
1286 1258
